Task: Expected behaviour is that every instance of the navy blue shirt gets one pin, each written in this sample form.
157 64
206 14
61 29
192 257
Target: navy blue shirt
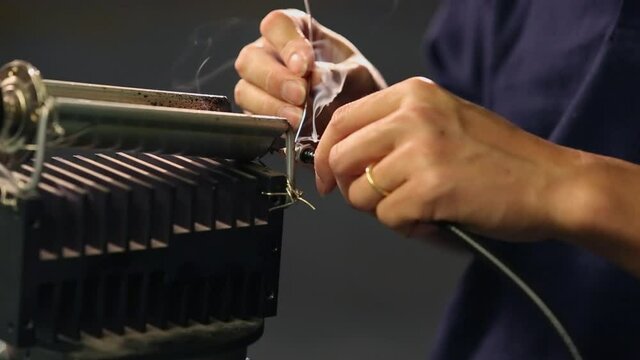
568 71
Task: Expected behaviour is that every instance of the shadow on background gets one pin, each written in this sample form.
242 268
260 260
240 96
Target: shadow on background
350 289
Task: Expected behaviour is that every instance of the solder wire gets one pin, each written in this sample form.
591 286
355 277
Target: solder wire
307 7
521 284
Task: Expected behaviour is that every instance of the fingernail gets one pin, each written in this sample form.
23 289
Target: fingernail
293 92
291 113
298 64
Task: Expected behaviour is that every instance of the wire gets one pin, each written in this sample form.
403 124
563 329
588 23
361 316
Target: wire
532 295
41 139
475 246
307 8
9 184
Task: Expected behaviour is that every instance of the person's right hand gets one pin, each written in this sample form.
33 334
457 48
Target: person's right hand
276 68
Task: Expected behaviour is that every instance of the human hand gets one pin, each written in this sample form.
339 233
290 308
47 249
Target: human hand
442 159
276 68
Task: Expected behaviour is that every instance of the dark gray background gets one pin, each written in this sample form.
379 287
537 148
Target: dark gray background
350 289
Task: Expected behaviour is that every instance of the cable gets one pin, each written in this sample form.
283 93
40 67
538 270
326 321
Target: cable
40 150
532 295
307 156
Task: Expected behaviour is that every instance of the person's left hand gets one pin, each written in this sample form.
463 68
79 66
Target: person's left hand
441 158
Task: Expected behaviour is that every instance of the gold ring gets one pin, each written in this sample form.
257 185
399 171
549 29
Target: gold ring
378 189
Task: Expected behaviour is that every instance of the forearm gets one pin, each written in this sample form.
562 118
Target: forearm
598 207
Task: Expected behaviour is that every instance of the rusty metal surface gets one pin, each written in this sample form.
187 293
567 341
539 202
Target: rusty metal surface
122 118
130 95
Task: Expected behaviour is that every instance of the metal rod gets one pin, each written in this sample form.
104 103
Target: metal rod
111 125
120 118
68 89
291 156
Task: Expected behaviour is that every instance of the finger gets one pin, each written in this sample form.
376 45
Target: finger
388 174
283 30
367 145
418 200
373 107
346 120
360 113
256 101
259 66
349 158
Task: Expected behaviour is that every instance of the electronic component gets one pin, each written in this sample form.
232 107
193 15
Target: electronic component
164 245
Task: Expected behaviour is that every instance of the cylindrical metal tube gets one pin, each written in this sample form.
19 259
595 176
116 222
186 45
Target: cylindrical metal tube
120 118
124 126
291 157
